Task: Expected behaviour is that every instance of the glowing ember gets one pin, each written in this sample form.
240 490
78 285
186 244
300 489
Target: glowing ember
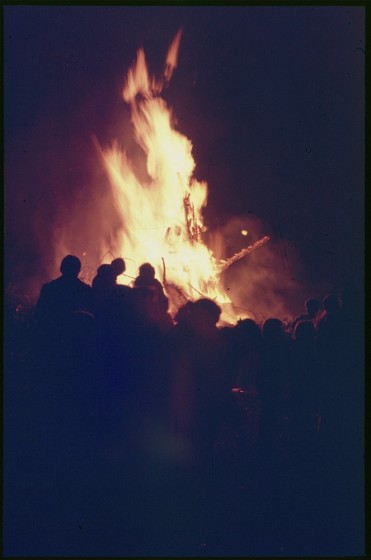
161 216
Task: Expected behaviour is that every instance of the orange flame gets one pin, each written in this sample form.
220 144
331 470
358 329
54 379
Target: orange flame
162 216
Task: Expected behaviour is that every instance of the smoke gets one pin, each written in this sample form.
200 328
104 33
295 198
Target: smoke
59 201
57 197
270 281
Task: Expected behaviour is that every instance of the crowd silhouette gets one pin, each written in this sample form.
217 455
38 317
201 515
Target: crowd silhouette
177 407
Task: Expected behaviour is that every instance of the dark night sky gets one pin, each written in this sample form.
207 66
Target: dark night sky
272 99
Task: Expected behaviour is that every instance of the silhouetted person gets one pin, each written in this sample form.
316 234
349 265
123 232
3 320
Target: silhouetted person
246 353
114 311
102 285
330 331
340 351
146 278
118 267
243 364
274 381
183 317
144 305
105 278
160 303
113 300
304 388
119 302
352 316
353 350
330 344
200 395
61 297
313 307
341 403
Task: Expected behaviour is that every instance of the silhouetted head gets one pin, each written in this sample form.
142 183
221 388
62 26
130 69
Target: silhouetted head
206 312
105 277
146 270
272 329
331 303
118 266
184 313
249 329
248 333
70 266
305 332
312 306
104 270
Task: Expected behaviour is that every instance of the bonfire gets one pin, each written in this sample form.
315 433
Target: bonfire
161 215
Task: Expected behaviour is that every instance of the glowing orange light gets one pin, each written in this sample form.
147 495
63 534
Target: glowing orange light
162 217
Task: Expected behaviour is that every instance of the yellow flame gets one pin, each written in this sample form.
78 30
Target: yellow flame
162 217
172 55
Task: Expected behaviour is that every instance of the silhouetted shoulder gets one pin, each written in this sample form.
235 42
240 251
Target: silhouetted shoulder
64 295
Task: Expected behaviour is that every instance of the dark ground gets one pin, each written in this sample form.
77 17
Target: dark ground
77 484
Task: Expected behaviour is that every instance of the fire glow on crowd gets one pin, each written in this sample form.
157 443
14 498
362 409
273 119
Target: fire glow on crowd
148 410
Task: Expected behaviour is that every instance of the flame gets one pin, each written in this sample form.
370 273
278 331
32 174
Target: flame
162 216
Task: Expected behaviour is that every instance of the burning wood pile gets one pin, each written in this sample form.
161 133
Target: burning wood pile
162 215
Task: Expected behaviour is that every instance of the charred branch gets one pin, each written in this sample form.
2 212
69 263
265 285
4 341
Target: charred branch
238 256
